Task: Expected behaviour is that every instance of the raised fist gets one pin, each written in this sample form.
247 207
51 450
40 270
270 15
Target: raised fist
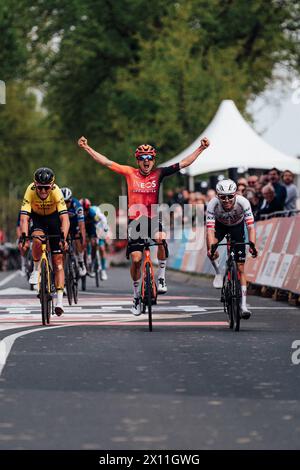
82 142
205 142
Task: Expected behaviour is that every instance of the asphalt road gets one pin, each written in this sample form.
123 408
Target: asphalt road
98 379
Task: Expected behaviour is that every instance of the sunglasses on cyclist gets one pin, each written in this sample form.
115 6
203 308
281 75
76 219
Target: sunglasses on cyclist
46 187
223 197
142 158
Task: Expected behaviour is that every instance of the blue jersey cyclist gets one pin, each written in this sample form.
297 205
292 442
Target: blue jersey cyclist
96 230
77 226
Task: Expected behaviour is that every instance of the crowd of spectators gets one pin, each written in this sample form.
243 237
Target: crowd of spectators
9 254
268 193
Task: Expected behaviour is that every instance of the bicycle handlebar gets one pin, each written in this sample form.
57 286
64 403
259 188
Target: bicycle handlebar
149 242
23 238
214 246
76 237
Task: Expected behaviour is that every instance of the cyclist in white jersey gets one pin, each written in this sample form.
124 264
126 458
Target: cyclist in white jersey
228 212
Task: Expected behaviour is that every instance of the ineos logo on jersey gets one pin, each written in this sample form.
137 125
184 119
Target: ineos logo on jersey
146 185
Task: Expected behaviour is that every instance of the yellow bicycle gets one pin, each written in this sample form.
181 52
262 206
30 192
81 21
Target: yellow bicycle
46 287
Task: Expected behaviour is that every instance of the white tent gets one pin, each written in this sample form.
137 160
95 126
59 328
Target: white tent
234 144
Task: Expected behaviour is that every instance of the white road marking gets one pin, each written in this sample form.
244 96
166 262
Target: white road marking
273 308
8 326
7 343
9 278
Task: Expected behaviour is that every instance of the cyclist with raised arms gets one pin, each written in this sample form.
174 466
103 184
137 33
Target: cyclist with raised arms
77 226
227 213
143 185
44 205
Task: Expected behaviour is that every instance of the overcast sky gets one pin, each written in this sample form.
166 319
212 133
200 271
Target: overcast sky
277 117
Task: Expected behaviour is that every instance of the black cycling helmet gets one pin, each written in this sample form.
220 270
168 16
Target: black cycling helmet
44 176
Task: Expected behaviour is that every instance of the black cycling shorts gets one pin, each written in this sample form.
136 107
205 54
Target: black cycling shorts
139 229
237 233
50 225
74 228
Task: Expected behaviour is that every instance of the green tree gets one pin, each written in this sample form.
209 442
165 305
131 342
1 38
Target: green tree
26 143
206 52
13 51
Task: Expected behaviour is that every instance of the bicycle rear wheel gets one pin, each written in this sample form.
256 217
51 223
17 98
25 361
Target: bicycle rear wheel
236 297
45 295
68 277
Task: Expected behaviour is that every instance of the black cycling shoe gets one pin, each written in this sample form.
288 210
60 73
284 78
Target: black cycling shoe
245 313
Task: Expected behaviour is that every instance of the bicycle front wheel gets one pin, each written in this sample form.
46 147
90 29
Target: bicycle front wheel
96 271
83 283
148 294
68 278
226 297
236 297
75 277
45 295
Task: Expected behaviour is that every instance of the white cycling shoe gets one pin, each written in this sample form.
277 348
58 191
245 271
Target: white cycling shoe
34 277
218 281
81 269
103 275
136 306
162 286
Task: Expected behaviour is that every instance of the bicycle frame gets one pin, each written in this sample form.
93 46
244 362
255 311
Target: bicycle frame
147 259
44 257
230 257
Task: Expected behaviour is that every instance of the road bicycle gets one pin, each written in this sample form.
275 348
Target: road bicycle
46 285
148 285
71 271
93 269
231 293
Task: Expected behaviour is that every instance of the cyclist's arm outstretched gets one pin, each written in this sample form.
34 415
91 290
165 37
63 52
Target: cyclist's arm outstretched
98 157
193 156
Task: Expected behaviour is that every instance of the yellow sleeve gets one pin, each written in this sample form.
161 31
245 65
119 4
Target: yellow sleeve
26 204
60 202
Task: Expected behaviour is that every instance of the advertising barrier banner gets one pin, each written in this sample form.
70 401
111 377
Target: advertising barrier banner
277 264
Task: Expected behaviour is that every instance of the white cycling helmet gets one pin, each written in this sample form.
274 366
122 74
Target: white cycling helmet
67 193
226 187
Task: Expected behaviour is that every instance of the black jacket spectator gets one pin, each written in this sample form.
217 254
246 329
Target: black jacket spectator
280 190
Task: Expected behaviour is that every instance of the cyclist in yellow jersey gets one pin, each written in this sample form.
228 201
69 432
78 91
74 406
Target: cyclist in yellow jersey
44 204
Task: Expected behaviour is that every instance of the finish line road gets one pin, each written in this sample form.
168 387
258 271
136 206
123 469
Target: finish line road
98 379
